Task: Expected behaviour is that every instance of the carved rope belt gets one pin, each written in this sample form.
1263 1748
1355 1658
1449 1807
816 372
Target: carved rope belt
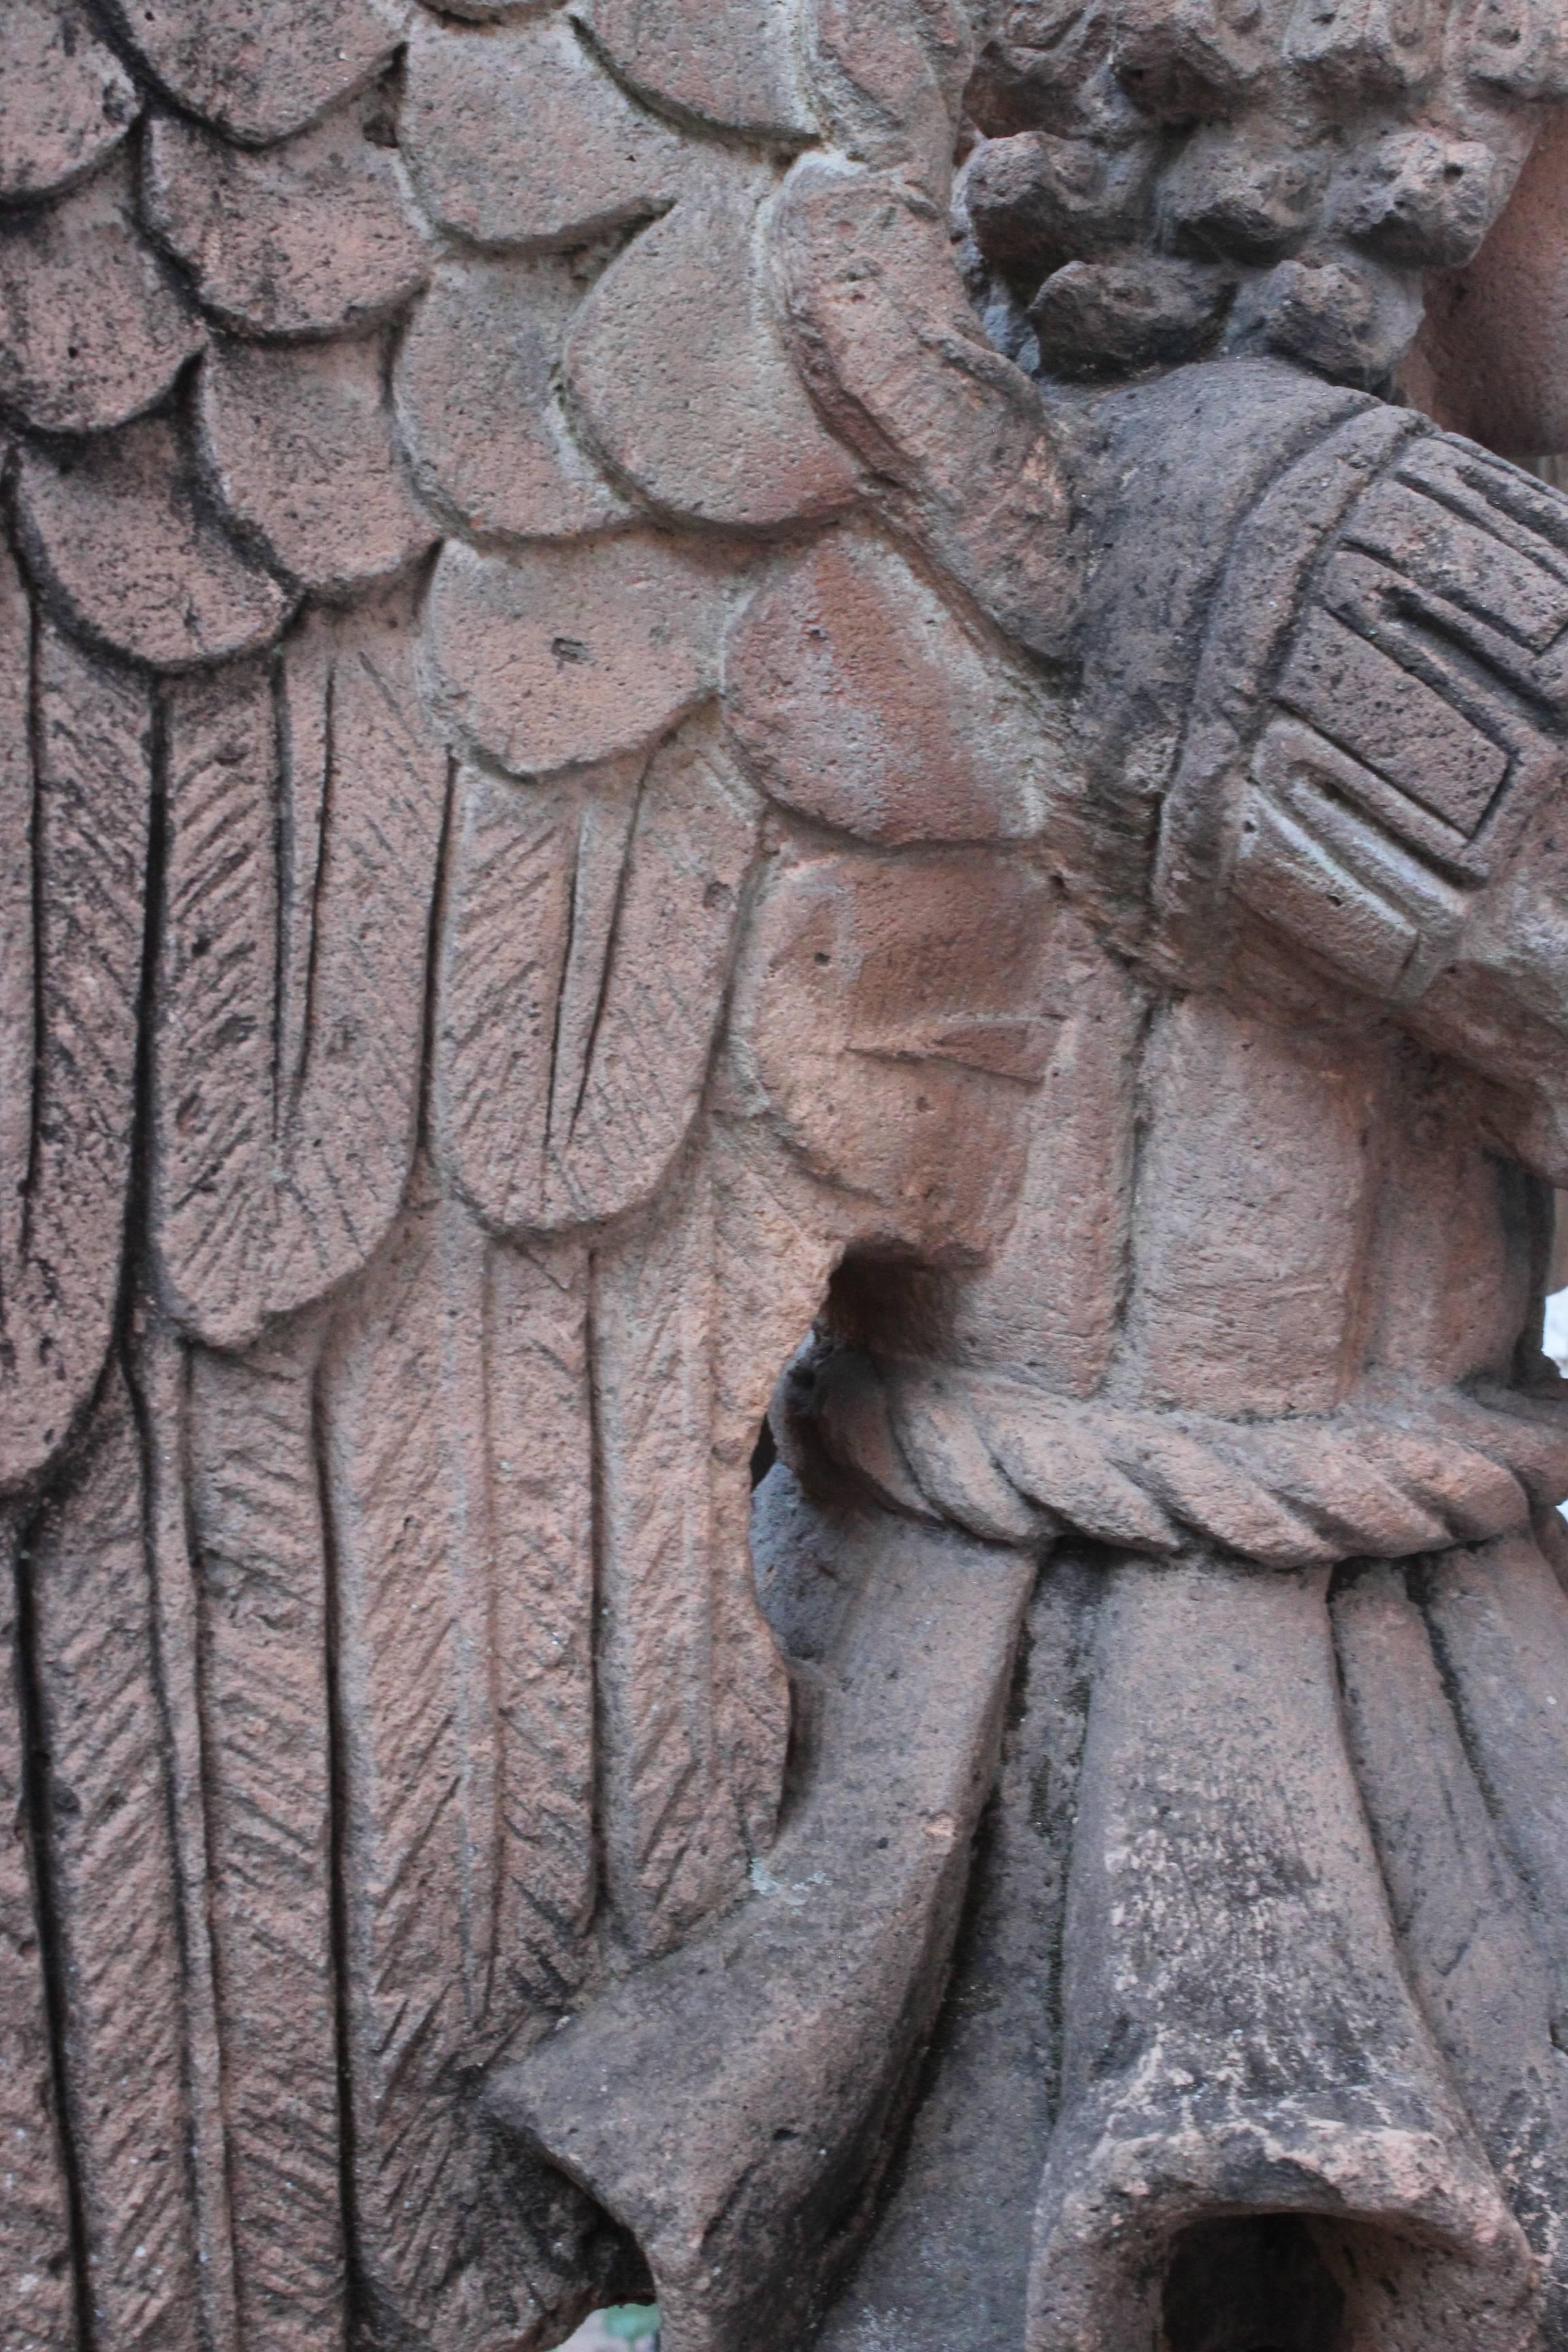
1398 1470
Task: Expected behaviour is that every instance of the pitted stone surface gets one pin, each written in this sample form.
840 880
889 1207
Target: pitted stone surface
559 657
308 237
1490 358
121 537
517 138
479 402
888 79
604 766
301 447
859 700
638 867
65 100
874 306
257 69
681 379
1232 137
92 327
725 61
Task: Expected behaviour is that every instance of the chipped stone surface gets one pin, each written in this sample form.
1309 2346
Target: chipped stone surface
516 137
725 61
564 657
301 447
121 538
259 69
475 384
92 328
682 381
65 101
305 238
859 700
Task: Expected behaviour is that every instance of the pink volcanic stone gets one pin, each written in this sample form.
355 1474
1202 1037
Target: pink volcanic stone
90 330
261 68
478 403
858 700
308 237
488 12
889 80
724 61
64 99
517 138
300 441
1493 356
118 532
561 656
682 381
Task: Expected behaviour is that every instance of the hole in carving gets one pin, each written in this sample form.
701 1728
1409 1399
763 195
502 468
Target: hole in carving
764 1453
634 2324
584 2259
1555 1332
1257 2285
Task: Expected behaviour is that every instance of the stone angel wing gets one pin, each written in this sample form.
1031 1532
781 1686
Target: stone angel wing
443 1050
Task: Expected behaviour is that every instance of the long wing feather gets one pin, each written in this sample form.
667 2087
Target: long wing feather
464 1643
35 2212
305 812
76 798
261 1580
110 1899
446 1667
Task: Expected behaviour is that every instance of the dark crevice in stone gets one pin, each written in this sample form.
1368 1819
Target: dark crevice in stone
1254 2284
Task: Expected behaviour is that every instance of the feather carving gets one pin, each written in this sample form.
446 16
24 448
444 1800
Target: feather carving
111 1902
74 799
455 1386
306 807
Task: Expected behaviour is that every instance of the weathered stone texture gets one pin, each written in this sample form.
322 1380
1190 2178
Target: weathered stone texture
780 728
517 139
91 331
301 444
291 1000
860 701
728 64
121 537
68 99
309 237
259 72
78 805
570 1056
566 657
479 402
682 384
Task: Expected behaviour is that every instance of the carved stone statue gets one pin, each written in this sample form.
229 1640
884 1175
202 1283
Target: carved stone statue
706 702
